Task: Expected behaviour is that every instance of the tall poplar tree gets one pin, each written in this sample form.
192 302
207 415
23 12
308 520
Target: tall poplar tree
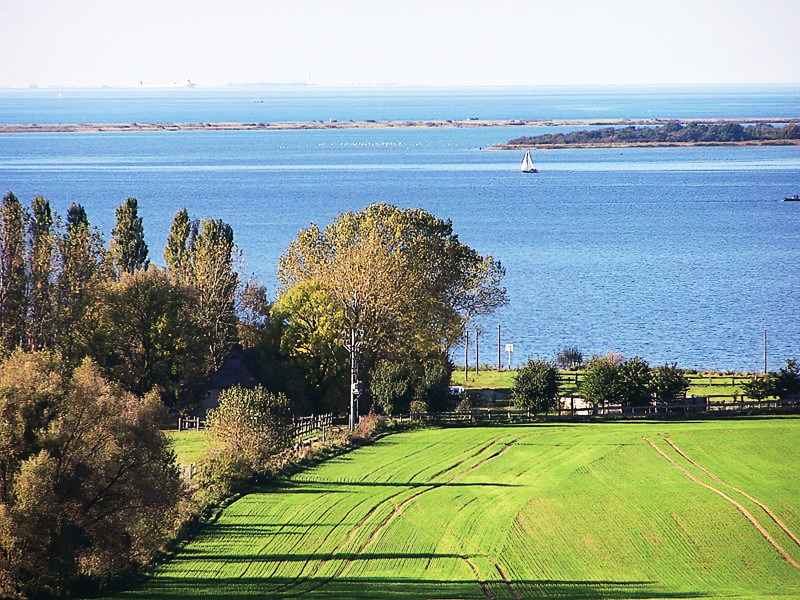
128 248
212 273
178 248
13 280
40 259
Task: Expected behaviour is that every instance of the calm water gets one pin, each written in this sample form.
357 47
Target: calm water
674 253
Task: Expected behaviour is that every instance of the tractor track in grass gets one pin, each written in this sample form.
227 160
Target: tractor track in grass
507 582
752 499
744 512
398 510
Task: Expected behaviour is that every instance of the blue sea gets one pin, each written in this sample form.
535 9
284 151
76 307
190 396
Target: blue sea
674 254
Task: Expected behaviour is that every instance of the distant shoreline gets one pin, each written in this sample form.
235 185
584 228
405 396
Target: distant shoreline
6 128
642 145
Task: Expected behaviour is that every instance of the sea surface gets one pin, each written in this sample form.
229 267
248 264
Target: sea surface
673 254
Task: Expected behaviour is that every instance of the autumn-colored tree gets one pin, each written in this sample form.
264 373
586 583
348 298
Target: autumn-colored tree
88 483
13 279
128 249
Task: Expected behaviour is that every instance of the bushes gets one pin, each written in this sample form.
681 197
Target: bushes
611 380
394 385
89 485
536 386
569 358
668 383
391 386
248 433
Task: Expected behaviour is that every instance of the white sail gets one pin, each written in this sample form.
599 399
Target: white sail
527 163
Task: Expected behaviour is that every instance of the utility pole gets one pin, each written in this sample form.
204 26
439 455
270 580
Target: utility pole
466 354
499 365
765 352
477 349
353 380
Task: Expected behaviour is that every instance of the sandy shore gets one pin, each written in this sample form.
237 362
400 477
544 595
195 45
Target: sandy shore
364 124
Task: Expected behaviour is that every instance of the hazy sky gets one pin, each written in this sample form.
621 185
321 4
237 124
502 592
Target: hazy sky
429 42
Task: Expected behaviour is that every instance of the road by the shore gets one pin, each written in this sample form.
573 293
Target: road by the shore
6 128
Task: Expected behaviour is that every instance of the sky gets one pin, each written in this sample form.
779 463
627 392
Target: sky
405 42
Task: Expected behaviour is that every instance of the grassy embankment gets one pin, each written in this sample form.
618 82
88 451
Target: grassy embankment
604 510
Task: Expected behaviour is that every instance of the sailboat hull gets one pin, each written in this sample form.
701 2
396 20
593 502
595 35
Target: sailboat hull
530 170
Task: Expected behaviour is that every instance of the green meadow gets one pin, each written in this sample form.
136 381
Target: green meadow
620 510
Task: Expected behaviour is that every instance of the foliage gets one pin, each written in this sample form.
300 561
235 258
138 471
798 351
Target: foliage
13 221
41 254
178 249
536 386
569 358
128 249
418 406
634 382
401 280
600 385
391 386
760 387
464 403
786 382
88 484
151 336
672 132
668 383
368 426
248 432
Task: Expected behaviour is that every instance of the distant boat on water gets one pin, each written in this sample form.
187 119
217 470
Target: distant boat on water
527 164
795 198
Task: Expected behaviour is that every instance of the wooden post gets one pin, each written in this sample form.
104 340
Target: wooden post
477 350
765 352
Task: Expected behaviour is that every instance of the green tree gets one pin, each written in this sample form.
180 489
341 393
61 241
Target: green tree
128 249
759 387
82 259
786 382
433 382
634 382
536 386
41 305
151 338
88 483
600 384
391 386
668 383
212 274
569 358
178 248
13 279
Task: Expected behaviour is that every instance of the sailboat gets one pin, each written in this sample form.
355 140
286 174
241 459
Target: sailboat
527 164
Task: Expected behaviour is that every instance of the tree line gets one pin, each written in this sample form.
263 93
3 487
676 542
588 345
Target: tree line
671 132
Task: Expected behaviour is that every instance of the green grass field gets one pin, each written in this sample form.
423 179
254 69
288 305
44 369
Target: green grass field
602 510
189 446
504 380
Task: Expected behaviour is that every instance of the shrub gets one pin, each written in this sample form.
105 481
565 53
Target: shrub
433 383
368 426
536 386
393 384
90 485
248 432
464 404
418 406
668 383
569 358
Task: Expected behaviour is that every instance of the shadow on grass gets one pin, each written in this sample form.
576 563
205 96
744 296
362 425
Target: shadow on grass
389 588
302 486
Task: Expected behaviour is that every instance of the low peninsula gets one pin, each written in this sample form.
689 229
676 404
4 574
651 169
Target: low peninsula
156 127
673 133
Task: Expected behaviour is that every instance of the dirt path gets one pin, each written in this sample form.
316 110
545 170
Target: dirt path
745 513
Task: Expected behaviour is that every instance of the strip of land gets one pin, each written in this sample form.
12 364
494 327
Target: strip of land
669 134
354 124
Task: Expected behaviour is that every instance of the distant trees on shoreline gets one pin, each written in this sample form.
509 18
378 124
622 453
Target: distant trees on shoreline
672 132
